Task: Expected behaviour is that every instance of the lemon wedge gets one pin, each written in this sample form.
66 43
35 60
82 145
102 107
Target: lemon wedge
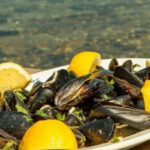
12 76
146 95
84 62
147 63
48 134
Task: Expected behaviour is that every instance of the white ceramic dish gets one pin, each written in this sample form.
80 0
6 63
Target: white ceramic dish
127 142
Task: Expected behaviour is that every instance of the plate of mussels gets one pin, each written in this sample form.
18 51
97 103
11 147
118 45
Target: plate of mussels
115 119
105 111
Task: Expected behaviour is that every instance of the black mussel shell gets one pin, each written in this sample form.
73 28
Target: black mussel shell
128 65
15 123
136 118
78 90
139 104
64 98
44 96
36 86
10 100
57 80
124 87
113 64
14 101
73 120
143 74
98 131
124 100
124 74
81 139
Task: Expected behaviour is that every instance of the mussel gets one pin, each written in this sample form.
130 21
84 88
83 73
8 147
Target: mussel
113 64
75 91
128 65
138 119
42 97
122 100
143 74
81 139
124 74
98 131
124 87
58 79
15 101
15 123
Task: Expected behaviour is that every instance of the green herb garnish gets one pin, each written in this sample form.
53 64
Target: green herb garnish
115 139
108 82
21 109
60 116
8 145
41 113
19 95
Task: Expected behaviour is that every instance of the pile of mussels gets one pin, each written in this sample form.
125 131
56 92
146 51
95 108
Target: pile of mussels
99 107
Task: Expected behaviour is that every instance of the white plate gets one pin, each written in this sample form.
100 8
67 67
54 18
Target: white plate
127 142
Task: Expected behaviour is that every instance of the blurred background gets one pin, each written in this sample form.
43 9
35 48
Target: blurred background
47 33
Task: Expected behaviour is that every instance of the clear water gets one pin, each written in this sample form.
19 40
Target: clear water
47 33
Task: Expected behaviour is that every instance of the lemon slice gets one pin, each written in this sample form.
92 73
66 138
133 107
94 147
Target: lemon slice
146 95
84 62
48 134
12 76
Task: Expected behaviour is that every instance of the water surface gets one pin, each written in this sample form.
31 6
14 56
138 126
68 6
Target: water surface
47 33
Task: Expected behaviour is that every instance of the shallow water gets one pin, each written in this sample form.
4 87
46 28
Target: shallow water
47 33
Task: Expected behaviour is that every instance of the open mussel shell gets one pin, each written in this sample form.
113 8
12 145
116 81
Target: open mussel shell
15 123
58 79
36 86
138 119
124 74
64 98
124 87
98 131
113 64
78 90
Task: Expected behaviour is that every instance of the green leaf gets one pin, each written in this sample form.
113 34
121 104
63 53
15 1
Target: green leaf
20 95
78 112
111 82
21 109
28 119
106 97
8 145
83 139
115 139
136 65
60 116
41 113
